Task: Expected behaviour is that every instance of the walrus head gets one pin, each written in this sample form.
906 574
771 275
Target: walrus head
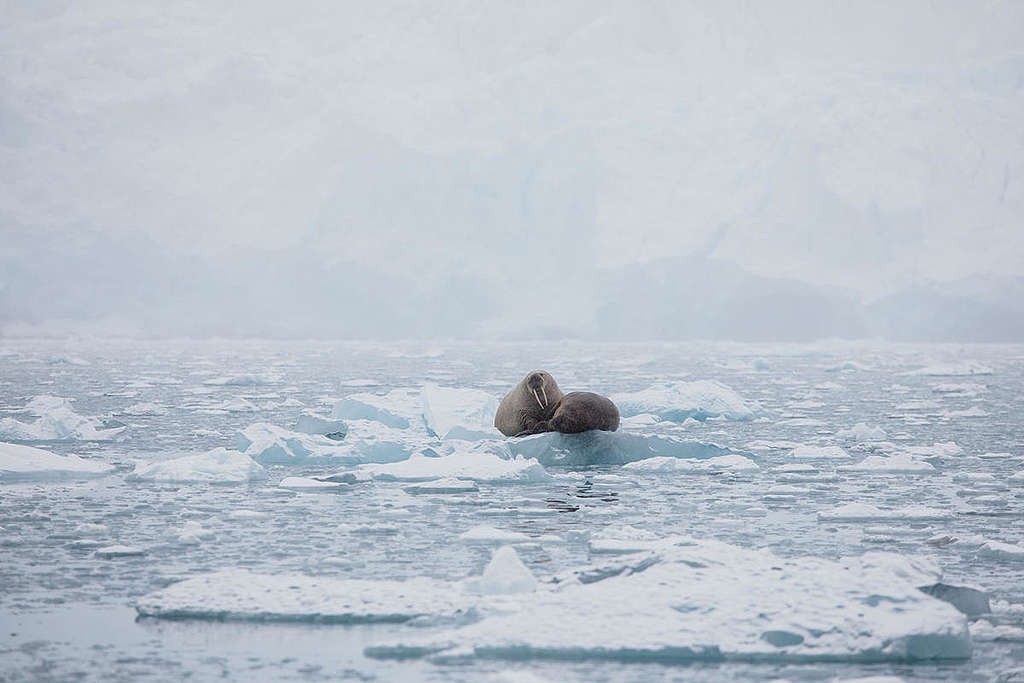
543 388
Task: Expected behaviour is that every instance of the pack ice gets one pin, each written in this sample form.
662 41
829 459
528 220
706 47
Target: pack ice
218 466
608 448
55 421
364 441
443 412
20 462
677 602
677 401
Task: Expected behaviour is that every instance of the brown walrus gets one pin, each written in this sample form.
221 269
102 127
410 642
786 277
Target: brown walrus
578 411
537 405
531 401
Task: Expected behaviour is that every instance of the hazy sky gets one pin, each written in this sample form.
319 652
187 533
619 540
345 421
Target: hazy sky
866 145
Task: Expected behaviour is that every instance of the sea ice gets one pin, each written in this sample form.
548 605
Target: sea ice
192 533
863 512
238 381
311 423
399 408
488 534
452 413
819 453
685 607
144 410
1002 551
309 484
119 551
861 432
219 466
899 463
492 463
19 462
608 448
447 485
56 422
269 444
236 594
716 465
953 369
677 401
505 574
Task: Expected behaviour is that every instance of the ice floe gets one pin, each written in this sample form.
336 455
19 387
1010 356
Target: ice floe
456 413
19 462
399 408
484 533
311 423
56 421
716 465
952 370
864 512
819 453
492 463
144 410
113 551
676 609
310 484
447 485
861 432
677 401
608 448
218 466
505 574
898 463
1002 551
364 442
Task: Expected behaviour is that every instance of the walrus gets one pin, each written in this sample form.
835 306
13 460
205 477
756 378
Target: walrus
578 411
531 401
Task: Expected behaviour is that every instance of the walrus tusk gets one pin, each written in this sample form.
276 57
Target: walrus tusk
537 397
545 396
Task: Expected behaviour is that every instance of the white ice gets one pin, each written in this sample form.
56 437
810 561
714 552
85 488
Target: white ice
677 401
861 432
311 423
952 370
459 413
608 448
819 453
399 408
56 421
718 464
864 512
20 462
446 485
492 463
505 574
899 463
218 466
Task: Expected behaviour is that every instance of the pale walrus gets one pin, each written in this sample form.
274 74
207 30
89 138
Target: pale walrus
532 401
578 411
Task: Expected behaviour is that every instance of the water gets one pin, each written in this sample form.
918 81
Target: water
66 614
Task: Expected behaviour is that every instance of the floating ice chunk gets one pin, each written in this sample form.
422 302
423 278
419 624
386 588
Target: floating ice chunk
961 542
237 594
995 456
1017 477
964 390
819 453
112 551
982 630
92 529
492 463
459 413
237 404
685 607
918 405
308 484
716 465
971 601
192 533
608 448
863 512
952 369
238 381
973 411
292 402
311 423
18 462
247 514
641 420
622 539
797 467
56 421
948 449
1002 551
764 445
269 444
447 485
219 466
899 463
399 408
847 366
505 574
861 432
144 410
677 401
488 534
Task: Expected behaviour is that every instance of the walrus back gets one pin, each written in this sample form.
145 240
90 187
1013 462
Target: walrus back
581 411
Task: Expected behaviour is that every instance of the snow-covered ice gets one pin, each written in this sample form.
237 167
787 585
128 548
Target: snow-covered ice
20 462
494 464
826 453
864 512
457 413
898 463
55 421
716 465
608 448
677 401
505 574
218 466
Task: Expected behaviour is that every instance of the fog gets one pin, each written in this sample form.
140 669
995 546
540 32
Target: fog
750 171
